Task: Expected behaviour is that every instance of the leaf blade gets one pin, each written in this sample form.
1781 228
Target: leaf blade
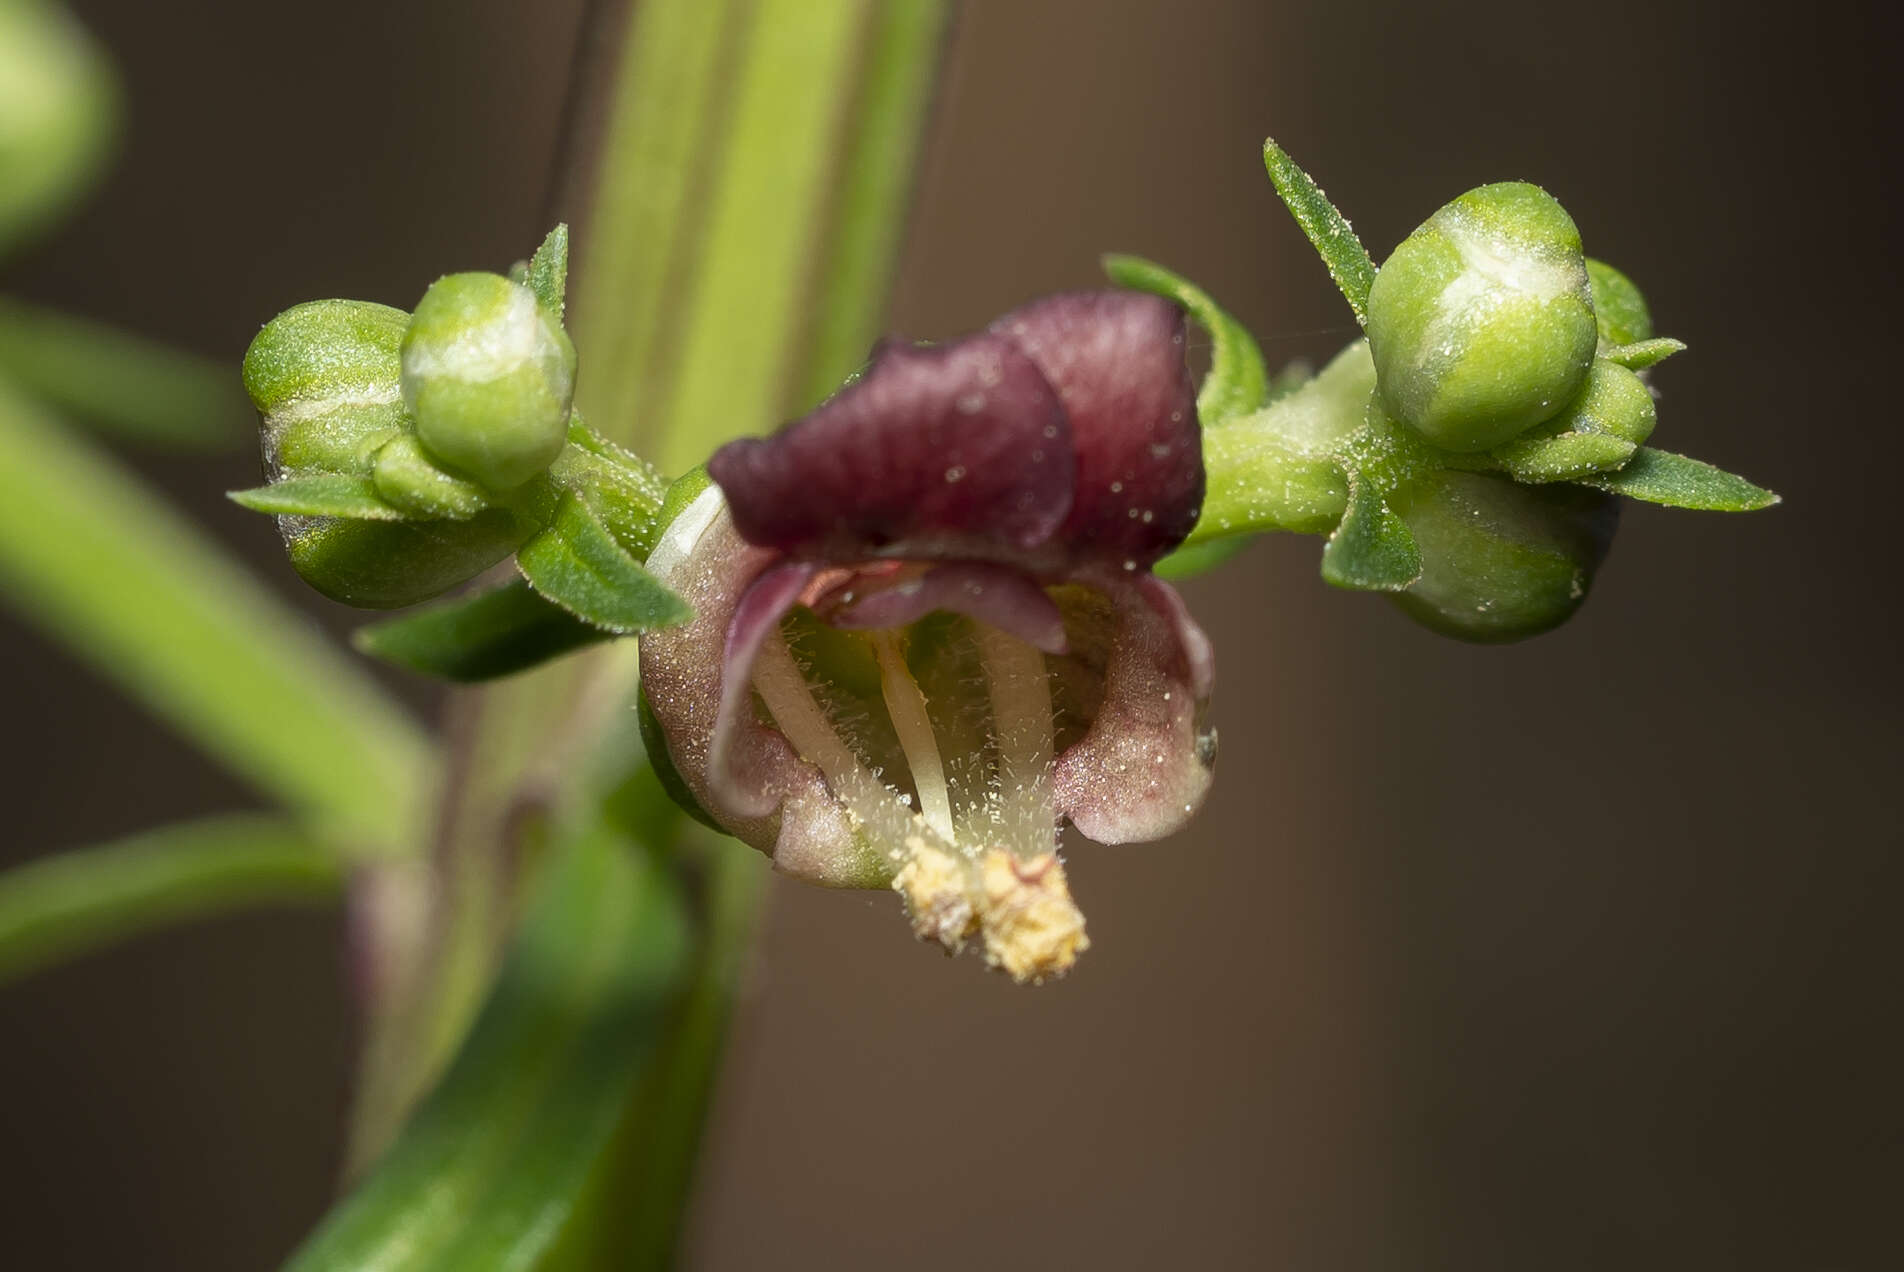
491 1167
320 495
122 384
1641 354
159 609
577 564
1678 481
492 634
548 273
1328 230
80 900
1371 550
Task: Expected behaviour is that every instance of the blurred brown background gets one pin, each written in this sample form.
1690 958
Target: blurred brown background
1574 954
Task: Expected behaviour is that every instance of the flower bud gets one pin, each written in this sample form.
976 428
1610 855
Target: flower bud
1482 321
1614 401
1501 561
488 375
324 377
57 105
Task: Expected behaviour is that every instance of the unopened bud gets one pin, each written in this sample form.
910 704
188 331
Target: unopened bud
1482 322
1501 561
488 375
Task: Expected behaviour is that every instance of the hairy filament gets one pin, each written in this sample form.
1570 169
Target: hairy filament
1021 714
913 723
881 810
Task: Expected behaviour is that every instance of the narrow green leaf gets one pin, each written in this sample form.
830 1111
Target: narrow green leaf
1662 477
1327 228
489 1172
124 385
494 633
577 564
90 556
548 273
1642 354
1371 551
1237 382
74 902
1563 457
320 495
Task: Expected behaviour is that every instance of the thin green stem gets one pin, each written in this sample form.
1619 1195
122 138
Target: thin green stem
85 899
717 193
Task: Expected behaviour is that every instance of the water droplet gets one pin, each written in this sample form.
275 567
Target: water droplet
1051 431
955 473
1117 487
970 403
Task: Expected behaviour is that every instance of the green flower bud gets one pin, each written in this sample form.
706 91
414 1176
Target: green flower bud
1482 321
488 375
324 377
405 477
1501 561
58 104
1614 401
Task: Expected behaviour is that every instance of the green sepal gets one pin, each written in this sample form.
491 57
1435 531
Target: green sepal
406 478
1371 550
548 272
320 495
1237 382
1342 252
1641 354
1563 456
492 633
580 566
1618 306
1661 477
1196 558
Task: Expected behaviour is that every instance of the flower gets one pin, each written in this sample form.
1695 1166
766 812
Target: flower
926 633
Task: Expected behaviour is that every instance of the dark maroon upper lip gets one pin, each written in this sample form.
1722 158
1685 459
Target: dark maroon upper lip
1064 435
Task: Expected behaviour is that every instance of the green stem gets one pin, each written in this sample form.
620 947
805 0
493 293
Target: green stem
77 901
729 169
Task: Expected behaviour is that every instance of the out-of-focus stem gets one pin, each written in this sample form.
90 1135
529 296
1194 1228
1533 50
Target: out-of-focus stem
731 162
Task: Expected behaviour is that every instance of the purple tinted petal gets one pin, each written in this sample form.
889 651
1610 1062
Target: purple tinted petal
1143 766
805 830
956 450
1117 361
756 618
1199 656
993 594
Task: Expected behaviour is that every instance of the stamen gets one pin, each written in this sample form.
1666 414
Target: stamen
880 809
913 723
1021 714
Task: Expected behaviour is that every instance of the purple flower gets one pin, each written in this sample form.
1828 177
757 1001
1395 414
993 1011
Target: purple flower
926 633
